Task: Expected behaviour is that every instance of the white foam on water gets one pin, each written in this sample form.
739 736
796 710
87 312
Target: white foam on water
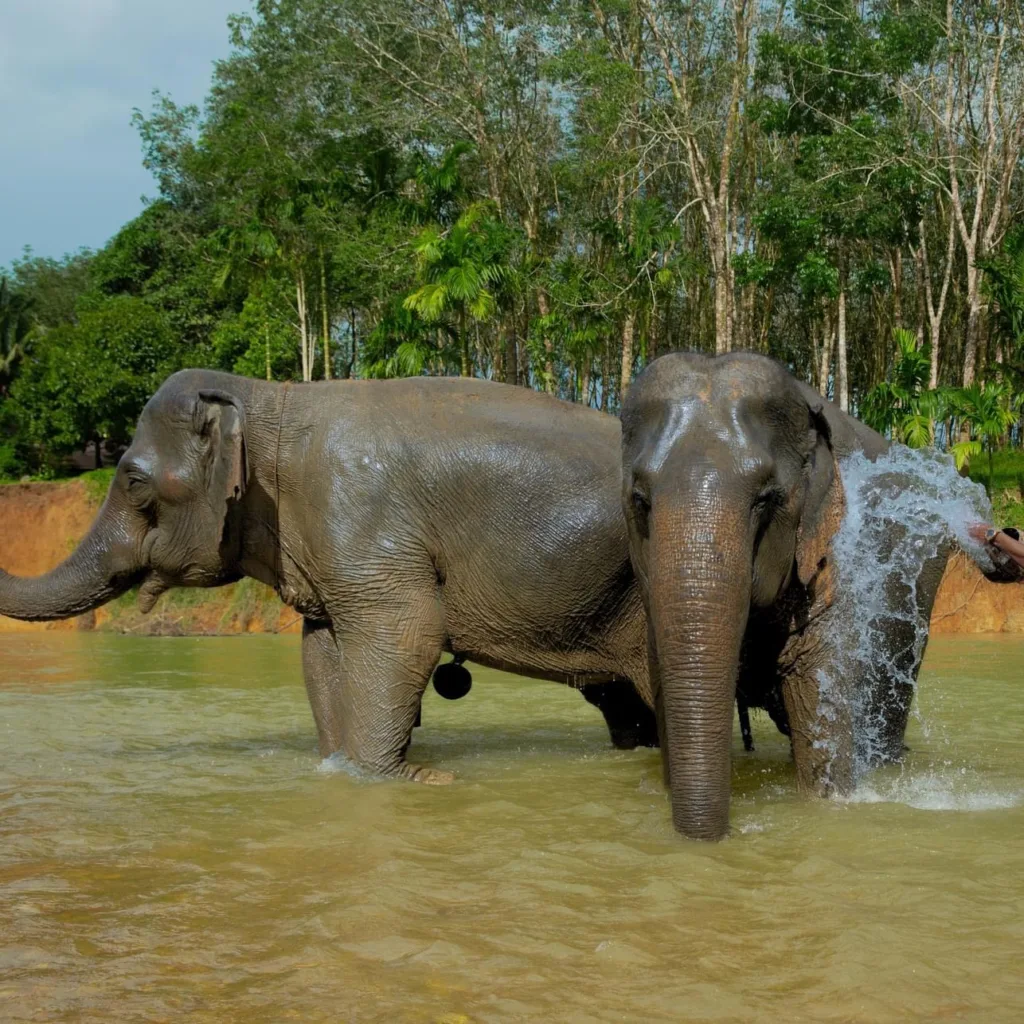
339 763
934 791
901 510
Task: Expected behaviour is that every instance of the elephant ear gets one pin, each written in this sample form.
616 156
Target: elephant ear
220 418
824 502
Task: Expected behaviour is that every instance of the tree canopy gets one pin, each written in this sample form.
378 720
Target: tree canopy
552 195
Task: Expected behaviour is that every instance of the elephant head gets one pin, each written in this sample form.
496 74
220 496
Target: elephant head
168 517
731 493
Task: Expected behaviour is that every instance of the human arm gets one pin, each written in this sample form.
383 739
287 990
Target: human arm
999 539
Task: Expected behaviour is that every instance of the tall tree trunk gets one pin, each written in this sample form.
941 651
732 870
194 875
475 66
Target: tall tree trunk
973 321
827 341
922 305
935 310
300 300
511 354
464 343
896 272
606 374
354 330
626 375
266 347
549 355
722 318
326 316
842 381
587 361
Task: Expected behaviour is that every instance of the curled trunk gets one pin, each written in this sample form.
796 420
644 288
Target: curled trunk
100 568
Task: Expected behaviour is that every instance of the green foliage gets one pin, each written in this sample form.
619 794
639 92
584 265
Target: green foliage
91 379
902 406
538 192
461 269
259 340
97 482
53 288
985 413
1005 285
15 327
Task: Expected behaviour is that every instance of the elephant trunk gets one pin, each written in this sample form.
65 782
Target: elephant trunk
699 596
104 565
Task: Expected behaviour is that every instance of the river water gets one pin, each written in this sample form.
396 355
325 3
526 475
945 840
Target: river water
171 847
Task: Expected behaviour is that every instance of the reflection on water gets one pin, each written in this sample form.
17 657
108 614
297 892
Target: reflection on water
169 849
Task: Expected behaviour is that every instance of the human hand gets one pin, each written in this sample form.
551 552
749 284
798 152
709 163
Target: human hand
979 532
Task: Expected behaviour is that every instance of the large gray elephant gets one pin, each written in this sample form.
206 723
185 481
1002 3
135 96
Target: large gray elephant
732 492
402 519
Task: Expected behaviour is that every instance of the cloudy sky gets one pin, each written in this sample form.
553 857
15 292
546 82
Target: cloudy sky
71 71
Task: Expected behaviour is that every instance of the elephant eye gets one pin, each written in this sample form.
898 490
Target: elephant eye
140 488
641 509
768 501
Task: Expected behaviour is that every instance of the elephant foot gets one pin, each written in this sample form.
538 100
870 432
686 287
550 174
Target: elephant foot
427 776
630 739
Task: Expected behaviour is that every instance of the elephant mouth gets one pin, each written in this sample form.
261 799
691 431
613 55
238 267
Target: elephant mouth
149 593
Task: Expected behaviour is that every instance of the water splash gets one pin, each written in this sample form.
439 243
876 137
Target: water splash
943 790
905 512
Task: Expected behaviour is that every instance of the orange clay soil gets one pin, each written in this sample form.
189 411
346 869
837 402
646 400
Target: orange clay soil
41 523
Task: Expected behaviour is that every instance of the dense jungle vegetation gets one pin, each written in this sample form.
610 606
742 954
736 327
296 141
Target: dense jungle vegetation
553 194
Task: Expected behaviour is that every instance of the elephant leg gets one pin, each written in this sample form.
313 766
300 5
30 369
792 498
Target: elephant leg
821 733
386 656
630 721
320 670
744 712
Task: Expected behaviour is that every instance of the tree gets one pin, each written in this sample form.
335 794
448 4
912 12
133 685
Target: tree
461 268
15 328
985 413
903 406
89 381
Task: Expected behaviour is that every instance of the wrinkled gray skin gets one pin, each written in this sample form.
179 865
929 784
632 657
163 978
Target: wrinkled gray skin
402 519
732 493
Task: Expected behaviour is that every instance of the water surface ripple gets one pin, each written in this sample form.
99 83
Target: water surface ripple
171 848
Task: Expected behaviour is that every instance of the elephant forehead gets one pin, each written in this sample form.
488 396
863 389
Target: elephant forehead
169 404
695 439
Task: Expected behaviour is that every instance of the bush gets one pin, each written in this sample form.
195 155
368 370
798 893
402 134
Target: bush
90 380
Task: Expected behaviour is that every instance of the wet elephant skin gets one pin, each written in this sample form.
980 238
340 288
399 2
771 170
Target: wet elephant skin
402 519
732 490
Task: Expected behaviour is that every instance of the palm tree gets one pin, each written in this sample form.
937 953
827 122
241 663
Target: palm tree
461 269
985 411
902 406
1005 285
442 186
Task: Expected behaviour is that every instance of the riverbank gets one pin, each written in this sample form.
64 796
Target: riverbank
42 523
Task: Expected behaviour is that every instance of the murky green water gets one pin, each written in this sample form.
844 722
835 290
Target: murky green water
171 848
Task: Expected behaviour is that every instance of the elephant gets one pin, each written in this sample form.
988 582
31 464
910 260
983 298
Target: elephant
732 492
402 519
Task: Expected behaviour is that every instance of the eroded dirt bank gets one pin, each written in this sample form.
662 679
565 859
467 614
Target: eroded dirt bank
41 523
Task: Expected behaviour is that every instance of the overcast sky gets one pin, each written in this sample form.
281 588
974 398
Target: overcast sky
71 71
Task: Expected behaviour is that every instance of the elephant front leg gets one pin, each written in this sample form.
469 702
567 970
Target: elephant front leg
385 661
821 732
320 670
